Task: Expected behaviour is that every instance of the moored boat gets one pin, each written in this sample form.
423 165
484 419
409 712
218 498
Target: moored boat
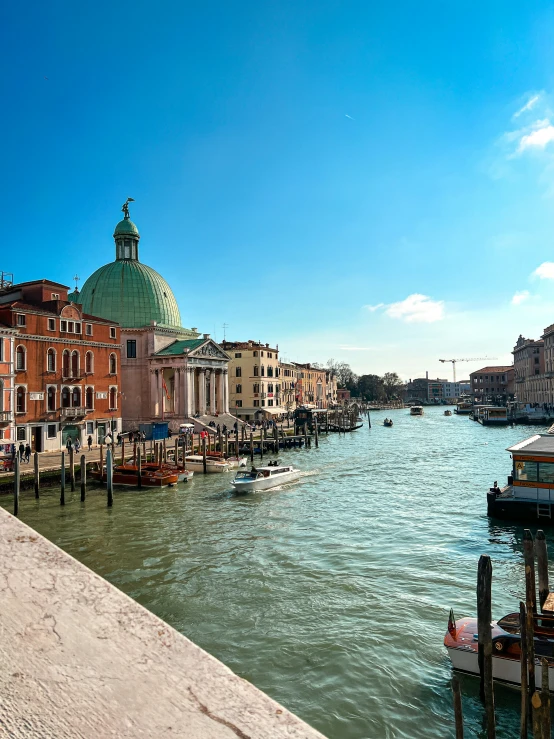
416 410
195 462
127 474
464 408
461 642
448 413
491 415
264 478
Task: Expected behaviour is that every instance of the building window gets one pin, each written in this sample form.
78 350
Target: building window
238 389
63 326
256 370
238 372
89 363
70 327
51 360
89 398
75 364
88 329
90 428
256 387
77 328
66 397
66 361
20 400
261 354
131 349
269 387
51 431
113 364
113 332
76 397
51 398
270 401
263 371
21 319
238 403
20 434
55 296
254 354
20 358
113 398
51 324
238 355
256 403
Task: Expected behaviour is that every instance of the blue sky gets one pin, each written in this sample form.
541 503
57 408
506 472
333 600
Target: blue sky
372 182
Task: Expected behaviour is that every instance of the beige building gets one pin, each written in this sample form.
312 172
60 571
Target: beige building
254 380
289 374
316 387
533 365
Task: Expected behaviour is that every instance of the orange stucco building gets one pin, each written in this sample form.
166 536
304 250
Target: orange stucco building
63 366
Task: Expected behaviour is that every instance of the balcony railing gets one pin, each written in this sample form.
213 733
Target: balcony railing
5 416
73 412
69 374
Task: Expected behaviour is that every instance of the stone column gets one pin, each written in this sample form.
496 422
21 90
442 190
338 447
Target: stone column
202 391
220 392
225 391
154 394
176 391
213 410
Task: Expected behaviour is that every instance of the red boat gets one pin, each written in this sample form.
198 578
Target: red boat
127 474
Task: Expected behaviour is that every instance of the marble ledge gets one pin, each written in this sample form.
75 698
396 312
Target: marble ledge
81 660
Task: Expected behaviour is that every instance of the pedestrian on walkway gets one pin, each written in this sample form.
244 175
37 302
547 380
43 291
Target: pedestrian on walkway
77 446
69 444
21 451
89 441
27 453
119 440
13 452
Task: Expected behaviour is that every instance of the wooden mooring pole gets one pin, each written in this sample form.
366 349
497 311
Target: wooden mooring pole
72 468
523 663
251 446
109 477
83 477
484 618
62 481
204 463
529 559
16 483
316 435
37 475
542 566
139 468
458 715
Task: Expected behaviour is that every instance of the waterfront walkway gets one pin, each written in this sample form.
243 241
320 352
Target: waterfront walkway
81 659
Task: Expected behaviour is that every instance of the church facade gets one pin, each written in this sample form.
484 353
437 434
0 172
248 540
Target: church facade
168 372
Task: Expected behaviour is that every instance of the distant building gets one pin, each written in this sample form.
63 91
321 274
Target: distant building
343 395
532 385
254 380
492 384
453 390
317 387
289 374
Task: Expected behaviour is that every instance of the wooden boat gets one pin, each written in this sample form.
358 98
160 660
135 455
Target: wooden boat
195 462
183 474
416 410
233 462
529 494
127 474
448 413
264 478
461 643
387 422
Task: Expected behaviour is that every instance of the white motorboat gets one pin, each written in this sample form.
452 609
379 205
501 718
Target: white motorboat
263 478
235 462
195 463
416 410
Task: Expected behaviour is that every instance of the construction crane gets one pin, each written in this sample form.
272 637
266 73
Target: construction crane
471 359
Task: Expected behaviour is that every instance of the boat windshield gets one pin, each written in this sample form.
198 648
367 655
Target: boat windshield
246 475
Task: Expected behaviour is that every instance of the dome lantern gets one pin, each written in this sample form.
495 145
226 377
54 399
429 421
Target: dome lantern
126 236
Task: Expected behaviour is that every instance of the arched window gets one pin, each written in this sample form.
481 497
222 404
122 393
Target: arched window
263 370
75 364
89 398
270 371
89 363
51 360
113 398
21 400
66 397
256 370
113 365
1 395
76 397
20 358
51 398
66 360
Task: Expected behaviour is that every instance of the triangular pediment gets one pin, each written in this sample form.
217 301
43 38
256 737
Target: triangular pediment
210 349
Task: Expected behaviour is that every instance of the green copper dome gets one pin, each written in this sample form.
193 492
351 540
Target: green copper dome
126 291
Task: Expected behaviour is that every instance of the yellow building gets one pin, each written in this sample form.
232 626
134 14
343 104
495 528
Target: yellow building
289 374
254 380
317 387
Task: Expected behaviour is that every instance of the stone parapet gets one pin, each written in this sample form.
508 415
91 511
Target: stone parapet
81 659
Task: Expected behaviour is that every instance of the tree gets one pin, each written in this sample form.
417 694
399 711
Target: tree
392 385
371 387
344 374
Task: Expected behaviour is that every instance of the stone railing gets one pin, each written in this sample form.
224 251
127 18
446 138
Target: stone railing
81 659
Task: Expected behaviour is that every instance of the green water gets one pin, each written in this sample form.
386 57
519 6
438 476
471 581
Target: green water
330 594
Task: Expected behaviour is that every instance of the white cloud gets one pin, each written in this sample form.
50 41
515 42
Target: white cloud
417 308
373 308
528 105
538 138
520 297
545 271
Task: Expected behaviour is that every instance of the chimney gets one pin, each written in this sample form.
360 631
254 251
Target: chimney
206 336
427 375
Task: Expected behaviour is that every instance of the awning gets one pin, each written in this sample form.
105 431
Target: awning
274 411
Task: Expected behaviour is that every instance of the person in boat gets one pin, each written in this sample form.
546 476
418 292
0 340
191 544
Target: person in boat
495 489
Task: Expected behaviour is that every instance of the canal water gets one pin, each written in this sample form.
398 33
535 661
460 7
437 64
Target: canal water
331 594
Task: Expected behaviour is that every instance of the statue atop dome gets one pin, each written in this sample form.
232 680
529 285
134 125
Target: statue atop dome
125 207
